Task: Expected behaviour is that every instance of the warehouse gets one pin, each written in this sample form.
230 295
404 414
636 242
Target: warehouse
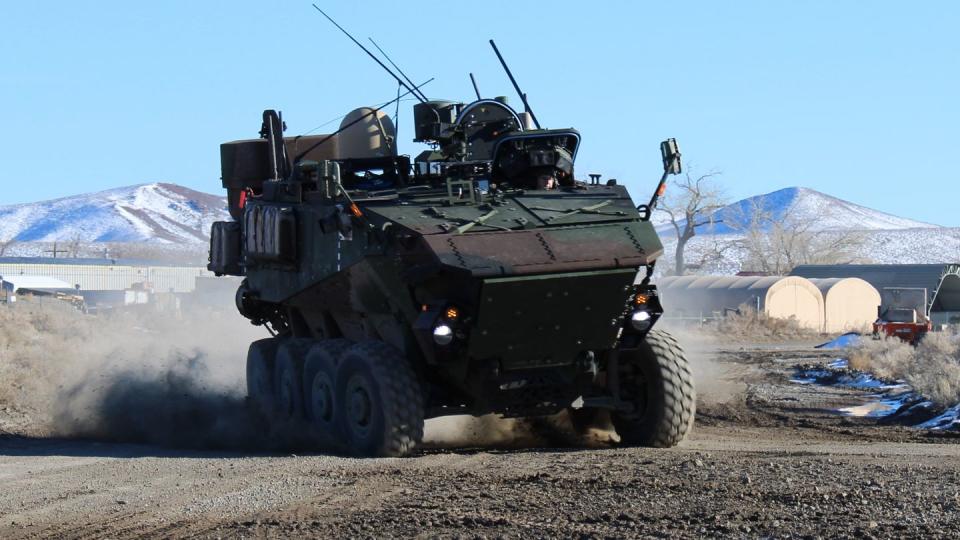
105 274
850 304
781 297
941 281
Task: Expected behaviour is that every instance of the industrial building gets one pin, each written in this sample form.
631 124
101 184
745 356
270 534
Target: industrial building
824 305
776 296
941 281
105 274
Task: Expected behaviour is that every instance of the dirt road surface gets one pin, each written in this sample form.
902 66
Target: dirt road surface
771 458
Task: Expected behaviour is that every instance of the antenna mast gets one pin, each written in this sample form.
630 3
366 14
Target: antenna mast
371 55
475 89
404 75
523 97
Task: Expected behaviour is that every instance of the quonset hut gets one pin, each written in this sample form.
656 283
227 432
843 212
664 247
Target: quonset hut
776 296
850 304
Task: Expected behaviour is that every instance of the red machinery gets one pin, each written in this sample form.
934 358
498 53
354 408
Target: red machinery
902 314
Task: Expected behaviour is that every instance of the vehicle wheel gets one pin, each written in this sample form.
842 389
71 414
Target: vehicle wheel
288 380
656 378
382 412
319 384
261 359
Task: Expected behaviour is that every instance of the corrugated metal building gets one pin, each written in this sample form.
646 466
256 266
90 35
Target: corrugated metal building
106 274
942 282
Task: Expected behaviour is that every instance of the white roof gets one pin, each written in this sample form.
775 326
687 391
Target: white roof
39 283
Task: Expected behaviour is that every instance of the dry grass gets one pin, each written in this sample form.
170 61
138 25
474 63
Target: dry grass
748 325
932 368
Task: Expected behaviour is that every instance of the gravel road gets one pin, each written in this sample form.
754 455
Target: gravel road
771 459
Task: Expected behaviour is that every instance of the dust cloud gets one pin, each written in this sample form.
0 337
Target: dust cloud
716 382
130 377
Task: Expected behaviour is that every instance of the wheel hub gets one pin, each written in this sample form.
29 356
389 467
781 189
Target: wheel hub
360 406
322 398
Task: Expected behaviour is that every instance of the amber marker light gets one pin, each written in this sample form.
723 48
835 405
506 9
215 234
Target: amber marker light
452 313
355 210
641 299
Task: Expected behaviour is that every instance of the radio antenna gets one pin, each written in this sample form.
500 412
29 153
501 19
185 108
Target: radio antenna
523 97
371 55
475 89
402 74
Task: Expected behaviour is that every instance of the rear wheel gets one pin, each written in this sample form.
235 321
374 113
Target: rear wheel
656 379
261 359
382 403
288 377
319 385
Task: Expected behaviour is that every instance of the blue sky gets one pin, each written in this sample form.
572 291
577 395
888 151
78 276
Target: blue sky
856 99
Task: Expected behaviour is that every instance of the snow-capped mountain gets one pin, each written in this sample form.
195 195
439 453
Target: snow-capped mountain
817 211
873 236
154 213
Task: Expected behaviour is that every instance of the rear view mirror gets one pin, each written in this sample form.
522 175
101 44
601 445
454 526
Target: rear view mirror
671 157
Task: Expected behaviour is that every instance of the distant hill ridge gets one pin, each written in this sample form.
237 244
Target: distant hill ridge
153 213
823 212
169 214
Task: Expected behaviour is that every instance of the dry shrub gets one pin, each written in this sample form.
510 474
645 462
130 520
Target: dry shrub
747 324
932 368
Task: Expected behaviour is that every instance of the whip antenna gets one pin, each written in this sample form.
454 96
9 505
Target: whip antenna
370 54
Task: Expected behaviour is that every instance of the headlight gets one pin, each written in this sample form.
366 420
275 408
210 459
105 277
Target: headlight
639 320
442 334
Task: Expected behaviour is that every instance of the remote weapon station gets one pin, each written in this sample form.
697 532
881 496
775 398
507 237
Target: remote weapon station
482 277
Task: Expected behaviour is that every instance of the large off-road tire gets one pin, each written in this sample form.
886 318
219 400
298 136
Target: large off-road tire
382 412
320 383
261 360
656 378
288 380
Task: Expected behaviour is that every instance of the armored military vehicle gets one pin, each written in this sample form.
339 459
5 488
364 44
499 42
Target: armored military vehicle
482 276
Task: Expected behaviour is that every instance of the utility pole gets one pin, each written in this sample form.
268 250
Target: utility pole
55 251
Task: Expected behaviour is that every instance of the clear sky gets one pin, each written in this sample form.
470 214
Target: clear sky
855 99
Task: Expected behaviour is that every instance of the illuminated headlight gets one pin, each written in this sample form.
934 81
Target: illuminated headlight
442 334
640 320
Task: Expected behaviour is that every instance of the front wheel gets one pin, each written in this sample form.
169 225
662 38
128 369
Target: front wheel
656 379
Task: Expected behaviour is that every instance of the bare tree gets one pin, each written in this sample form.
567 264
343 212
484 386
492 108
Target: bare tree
5 245
691 203
74 247
775 243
